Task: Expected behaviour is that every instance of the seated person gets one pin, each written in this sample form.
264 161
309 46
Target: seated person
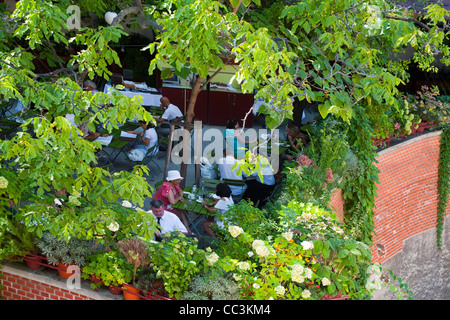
167 220
87 133
222 199
90 85
170 193
170 112
235 140
259 190
148 136
225 165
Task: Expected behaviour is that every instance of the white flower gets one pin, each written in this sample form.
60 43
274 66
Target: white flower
237 277
262 251
250 253
57 202
256 286
3 183
257 243
307 245
126 204
280 290
297 269
296 273
235 231
74 201
325 282
288 235
212 258
113 226
306 294
244 265
308 273
76 193
297 278
260 248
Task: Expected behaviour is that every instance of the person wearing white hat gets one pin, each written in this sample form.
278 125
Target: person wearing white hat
170 193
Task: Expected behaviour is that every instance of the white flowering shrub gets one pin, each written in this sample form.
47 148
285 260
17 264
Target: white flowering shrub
309 258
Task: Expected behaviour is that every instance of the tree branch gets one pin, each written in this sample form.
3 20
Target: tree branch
137 9
420 23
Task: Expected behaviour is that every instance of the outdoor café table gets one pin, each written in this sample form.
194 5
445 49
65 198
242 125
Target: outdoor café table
193 206
150 96
282 147
118 143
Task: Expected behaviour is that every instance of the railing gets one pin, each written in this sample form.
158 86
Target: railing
421 128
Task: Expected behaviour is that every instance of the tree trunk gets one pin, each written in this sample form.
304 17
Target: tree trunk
189 120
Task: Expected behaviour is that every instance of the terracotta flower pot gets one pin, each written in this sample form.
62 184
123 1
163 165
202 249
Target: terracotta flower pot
33 262
133 294
114 290
338 296
62 271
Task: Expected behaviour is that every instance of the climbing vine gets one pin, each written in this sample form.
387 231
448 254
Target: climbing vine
359 188
443 181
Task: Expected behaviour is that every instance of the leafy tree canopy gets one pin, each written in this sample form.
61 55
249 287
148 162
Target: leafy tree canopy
337 53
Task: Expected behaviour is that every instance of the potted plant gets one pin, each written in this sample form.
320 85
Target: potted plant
150 284
109 267
17 242
64 253
135 251
212 287
177 260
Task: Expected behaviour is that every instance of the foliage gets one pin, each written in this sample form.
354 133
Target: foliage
110 267
299 265
403 118
149 283
177 261
426 104
212 287
16 241
402 289
47 153
135 251
359 188
57 251
329 145
75 215
443 181
379 276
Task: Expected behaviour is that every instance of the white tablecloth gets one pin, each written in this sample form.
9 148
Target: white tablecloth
148 99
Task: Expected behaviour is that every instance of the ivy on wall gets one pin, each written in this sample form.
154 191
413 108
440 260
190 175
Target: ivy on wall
443 181
359 189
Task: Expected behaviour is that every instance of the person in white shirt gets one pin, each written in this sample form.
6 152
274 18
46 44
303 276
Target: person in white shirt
90 85
168 221
149 138
171 111
226 171
221 203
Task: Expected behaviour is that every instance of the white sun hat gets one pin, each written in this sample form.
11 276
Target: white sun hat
173 175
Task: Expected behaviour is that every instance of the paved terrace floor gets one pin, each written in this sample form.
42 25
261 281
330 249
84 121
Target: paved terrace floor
155 175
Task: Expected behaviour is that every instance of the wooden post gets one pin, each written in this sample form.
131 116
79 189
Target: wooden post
169 151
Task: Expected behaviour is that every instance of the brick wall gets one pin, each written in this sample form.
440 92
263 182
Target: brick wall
20 283
406 202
